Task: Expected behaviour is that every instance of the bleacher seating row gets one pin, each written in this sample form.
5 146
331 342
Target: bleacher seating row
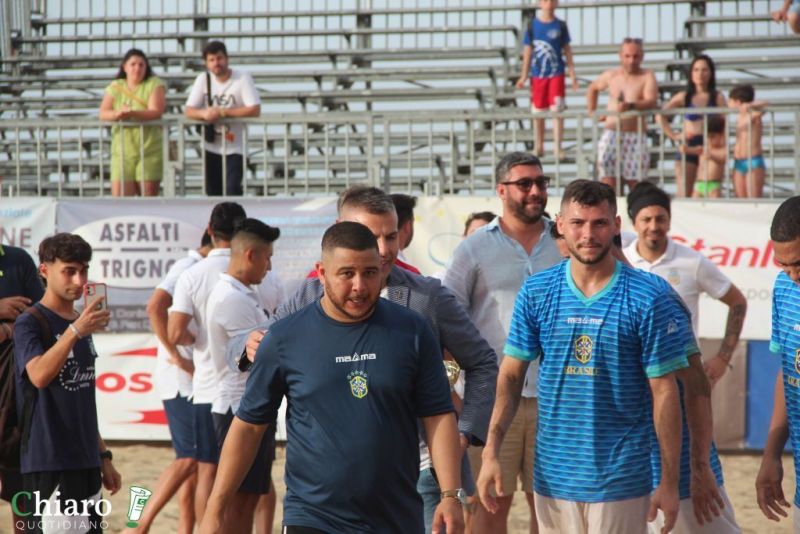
455 62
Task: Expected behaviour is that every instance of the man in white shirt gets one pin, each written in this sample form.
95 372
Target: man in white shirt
189 303
689 273
233 95
173 379
234 306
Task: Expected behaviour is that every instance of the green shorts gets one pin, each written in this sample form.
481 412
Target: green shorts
705 188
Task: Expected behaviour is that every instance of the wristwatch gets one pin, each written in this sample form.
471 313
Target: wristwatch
106 455
458 494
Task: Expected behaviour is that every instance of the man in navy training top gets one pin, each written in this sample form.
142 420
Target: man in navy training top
63 457
608 337
785 235
355 390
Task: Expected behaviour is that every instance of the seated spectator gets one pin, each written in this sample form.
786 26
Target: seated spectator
136 151
789 13
701 92
749 166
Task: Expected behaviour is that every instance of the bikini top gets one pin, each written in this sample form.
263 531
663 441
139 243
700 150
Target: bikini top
692 117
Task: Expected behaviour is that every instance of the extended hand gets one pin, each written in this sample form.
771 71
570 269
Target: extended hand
253 341
666 500
112 480
11 307
448 518
715 368
706 499
769 492
92 319
490 475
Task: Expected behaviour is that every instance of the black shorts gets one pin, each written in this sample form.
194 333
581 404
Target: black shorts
181 425
258 477
10 483
205 438
72 485
234 168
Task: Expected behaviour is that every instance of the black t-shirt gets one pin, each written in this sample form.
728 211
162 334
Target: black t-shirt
18 277
63 431
354 394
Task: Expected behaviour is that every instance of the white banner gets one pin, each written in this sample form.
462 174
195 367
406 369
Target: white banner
25 222
734 235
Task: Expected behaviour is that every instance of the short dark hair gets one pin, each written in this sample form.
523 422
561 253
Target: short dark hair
65 247
404 206
214 47
224 218
743 93
205 241
554 233
511 160
786 222
349 235
487 216
257 230
372 199
589 193
122 75
645 194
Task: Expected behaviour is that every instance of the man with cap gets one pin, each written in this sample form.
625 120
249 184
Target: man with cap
689 273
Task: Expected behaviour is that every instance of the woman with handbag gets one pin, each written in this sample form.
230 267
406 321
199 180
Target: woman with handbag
136 151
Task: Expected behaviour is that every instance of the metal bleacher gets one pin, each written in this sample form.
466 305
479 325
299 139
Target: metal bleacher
410 97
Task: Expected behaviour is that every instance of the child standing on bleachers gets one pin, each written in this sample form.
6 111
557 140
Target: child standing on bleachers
546 46
749 167
712 156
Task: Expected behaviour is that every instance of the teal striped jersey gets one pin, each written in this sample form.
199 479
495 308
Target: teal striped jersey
597 353
785 341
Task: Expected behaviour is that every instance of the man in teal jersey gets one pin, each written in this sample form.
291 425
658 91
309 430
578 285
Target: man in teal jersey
608 337
785 235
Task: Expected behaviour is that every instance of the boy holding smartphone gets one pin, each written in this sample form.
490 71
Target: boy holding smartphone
55 385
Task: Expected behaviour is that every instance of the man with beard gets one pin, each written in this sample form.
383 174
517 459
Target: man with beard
624 140
355 390
608 337
485 274
451 325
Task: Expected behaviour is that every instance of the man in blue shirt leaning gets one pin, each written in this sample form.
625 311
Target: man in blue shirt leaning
608 337
355 389
785 235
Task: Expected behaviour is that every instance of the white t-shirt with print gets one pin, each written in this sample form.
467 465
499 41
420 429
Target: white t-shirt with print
235 92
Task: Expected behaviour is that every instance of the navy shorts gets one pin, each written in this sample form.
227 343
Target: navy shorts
181 426
205 438
258 477
695 140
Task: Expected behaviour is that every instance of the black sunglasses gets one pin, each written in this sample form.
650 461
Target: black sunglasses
634 40
526 184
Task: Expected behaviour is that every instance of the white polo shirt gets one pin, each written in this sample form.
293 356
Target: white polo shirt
688 272
171 380
191 294
234 308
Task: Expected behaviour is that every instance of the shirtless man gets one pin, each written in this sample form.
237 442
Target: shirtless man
630 87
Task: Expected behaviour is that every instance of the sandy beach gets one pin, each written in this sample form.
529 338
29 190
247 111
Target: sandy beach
141 465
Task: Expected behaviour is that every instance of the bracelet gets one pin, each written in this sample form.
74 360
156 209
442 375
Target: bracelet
75 330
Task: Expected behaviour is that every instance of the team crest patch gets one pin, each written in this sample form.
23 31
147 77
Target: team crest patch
583 349
358 384
797 361
673 277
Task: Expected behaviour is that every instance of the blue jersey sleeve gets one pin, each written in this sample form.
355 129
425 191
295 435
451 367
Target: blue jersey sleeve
527 38
775 344
432 389
523 335
565 38
666 338
266 385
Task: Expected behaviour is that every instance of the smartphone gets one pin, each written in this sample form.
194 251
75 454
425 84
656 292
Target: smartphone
94 290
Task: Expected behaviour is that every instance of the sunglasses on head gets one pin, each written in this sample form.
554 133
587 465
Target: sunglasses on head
526 184
634 40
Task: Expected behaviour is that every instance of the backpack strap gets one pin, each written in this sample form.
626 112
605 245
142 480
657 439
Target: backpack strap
47 337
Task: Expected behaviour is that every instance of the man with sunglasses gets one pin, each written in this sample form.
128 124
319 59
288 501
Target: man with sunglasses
486 273
622 149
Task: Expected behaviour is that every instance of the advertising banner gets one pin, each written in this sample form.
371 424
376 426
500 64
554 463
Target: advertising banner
136 241
25 222
733 235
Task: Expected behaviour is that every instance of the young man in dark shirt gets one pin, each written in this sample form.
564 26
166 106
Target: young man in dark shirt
355 389
63 457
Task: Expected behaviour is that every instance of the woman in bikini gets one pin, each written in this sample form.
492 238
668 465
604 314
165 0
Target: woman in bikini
701 91
136 152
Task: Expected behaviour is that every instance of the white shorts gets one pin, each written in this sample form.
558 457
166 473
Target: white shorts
557 516
635 157
686 523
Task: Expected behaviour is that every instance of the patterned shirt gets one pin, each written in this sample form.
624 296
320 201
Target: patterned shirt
596 355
